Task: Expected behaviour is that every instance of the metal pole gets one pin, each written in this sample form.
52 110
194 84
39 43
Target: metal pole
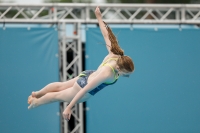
75 65
64 66
79 70
177 14
182 14
55 13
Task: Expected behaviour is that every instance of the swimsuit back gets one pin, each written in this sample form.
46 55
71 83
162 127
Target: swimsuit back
106 64
101 86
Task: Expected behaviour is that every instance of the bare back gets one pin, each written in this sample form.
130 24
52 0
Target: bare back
101 69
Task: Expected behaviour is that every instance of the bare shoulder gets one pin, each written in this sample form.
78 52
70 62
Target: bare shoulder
111 55
107 56
106 72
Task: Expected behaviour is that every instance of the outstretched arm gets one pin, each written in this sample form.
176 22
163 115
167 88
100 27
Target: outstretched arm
102 26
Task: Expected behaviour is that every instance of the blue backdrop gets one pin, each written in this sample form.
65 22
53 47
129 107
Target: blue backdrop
161 96
28 62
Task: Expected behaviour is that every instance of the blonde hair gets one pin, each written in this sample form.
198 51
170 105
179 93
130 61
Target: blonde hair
124 62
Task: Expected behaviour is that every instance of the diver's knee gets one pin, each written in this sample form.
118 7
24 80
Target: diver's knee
56 85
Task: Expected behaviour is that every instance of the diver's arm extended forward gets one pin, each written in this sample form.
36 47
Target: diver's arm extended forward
100 78
103 28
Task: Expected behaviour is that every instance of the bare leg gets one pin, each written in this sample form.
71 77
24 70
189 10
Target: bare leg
65 95
54 87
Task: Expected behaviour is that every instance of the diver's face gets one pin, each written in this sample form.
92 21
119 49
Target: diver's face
123 73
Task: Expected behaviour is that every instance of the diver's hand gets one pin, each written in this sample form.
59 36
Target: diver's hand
97 12
67 113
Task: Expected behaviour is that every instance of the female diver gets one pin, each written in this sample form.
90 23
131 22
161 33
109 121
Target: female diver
88 83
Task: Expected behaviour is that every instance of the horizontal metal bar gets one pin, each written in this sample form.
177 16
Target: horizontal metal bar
119 5
182 8
72 37
27 21
107 21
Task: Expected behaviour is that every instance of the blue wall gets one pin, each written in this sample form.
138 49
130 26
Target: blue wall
28 62
161 96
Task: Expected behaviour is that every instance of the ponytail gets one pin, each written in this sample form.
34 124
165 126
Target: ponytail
124 62
115 48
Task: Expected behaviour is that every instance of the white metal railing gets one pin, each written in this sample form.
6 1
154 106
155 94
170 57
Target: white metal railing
84 13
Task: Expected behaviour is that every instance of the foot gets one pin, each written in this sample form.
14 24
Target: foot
34 94
29 98
32 102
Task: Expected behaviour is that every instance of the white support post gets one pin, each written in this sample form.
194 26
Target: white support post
75 66
177 17
81 130
54 13
64 66
182 15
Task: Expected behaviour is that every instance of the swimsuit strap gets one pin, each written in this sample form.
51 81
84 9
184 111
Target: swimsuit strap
108 60
106 64
116 77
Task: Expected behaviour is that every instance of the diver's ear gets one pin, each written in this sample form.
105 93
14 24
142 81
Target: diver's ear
117 68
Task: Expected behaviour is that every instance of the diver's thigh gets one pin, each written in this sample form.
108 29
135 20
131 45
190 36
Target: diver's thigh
68 94
69 83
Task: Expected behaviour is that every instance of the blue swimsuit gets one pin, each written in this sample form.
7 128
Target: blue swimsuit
83 77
